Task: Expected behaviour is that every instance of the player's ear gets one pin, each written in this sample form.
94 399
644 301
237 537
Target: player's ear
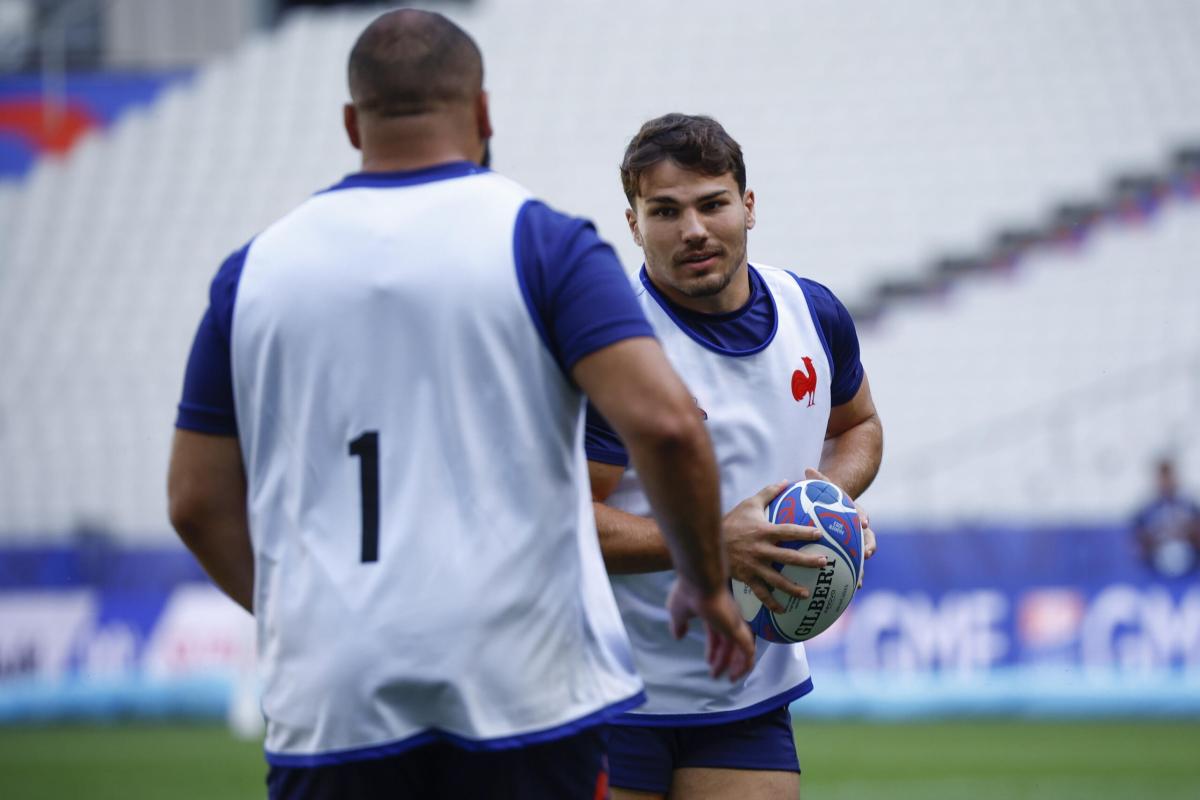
482 117
748 202
631 218
350 121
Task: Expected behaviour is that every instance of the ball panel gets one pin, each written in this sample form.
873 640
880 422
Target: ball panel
786 509
842 528
822 492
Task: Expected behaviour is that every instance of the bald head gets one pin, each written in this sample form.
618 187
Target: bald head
410 62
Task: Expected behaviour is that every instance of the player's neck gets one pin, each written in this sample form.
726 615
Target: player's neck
415 155
404 164
414 143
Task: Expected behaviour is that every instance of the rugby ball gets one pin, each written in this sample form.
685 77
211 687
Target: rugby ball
821 505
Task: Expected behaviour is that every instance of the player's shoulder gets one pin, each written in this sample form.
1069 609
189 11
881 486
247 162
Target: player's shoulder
790 277
558 236
503 183
542 214
821 296
492 187
766 270
829 312
223 288
777 276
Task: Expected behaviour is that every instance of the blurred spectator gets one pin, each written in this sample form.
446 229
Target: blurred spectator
1168 527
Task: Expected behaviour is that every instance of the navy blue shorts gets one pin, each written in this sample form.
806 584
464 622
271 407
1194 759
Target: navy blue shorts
644 758
573 768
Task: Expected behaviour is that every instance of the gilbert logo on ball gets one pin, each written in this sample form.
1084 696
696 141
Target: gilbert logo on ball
821 505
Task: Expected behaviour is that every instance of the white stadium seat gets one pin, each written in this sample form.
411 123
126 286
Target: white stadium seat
879 136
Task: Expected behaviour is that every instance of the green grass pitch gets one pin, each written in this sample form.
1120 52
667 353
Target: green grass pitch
975 760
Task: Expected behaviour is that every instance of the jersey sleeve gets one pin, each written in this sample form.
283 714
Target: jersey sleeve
840 338
207 402
574 286
601 442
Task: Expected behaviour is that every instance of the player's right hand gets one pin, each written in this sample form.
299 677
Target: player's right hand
864 521
753 547
730 646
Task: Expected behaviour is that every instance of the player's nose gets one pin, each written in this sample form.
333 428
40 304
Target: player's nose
693 229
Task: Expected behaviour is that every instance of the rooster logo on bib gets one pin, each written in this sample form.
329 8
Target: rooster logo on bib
804 384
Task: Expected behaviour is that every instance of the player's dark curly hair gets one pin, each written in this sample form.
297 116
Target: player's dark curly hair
694 142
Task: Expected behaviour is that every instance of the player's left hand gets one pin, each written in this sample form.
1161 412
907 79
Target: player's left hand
754 548
864 519
730 647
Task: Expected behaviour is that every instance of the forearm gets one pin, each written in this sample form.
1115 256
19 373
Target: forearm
206 496
630 543
679 476
851 459
222 546
634 387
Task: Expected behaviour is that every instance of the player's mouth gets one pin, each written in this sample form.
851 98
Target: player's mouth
701 260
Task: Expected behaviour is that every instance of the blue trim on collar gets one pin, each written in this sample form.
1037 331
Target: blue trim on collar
667 307
716 717
387 180
599 717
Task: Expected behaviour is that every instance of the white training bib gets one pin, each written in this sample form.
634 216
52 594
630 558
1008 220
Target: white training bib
767 413
384 358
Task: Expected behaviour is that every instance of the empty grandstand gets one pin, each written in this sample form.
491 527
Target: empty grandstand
1007 193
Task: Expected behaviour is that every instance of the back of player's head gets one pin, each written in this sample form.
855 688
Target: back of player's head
693 142
412 62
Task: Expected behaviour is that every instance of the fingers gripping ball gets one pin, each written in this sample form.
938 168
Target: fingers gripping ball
823 506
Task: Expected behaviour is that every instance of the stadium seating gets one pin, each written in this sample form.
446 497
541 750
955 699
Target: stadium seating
1044 394
879 136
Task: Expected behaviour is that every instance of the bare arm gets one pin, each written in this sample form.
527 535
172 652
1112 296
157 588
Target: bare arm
206 489
629 543
633 544
852 453
853 443
638 392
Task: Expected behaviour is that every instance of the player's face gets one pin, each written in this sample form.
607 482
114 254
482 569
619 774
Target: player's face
692 230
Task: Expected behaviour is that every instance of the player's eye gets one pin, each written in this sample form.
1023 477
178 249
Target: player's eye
662 211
